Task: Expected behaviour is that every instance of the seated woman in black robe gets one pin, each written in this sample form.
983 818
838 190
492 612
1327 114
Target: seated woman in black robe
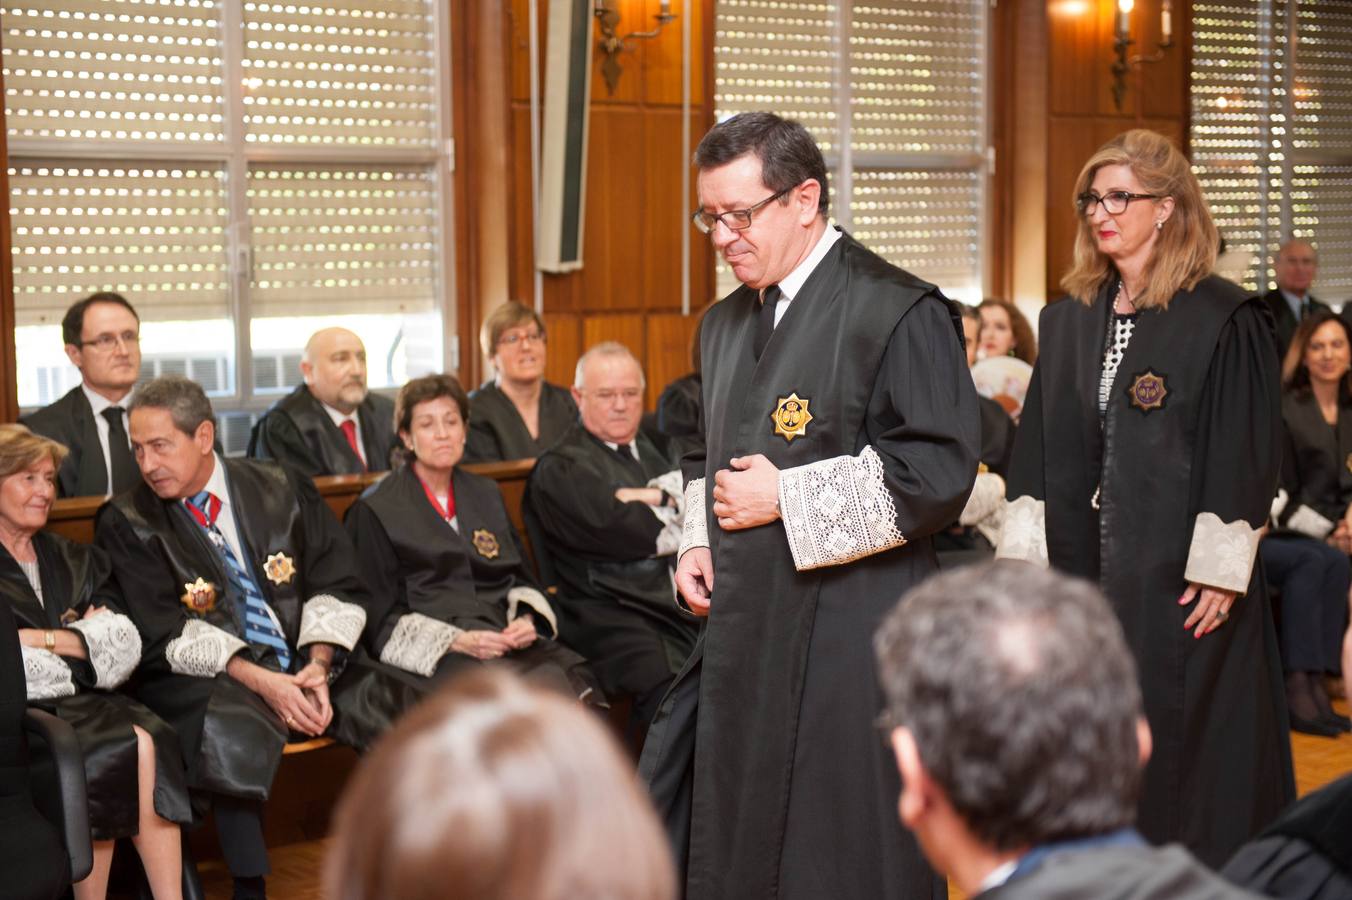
76 648
1306 556
435 544
516 414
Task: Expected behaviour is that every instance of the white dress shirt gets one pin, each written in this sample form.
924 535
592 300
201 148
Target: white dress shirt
98 403
338 420
792 283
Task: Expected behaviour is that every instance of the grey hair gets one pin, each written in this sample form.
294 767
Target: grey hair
1021 694
185 400
605 348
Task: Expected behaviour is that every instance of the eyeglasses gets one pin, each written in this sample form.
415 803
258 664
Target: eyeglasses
629 395
733 219
108 342
1114 202
518 337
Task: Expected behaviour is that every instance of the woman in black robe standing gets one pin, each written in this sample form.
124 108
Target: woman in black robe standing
1146 460
75 649
435 544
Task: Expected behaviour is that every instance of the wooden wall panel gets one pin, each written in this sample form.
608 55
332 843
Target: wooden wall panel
565 346
627 328
668 351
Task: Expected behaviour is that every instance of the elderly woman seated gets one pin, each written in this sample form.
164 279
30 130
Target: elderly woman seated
76 648
435 543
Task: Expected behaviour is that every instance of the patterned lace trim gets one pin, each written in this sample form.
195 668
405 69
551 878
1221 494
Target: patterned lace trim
538 603
46 674
696 531
114 647
838 510
201 650
418 643
328 620
1309 522
1222 553
1024 535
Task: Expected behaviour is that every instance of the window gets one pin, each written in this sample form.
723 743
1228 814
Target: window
244 172
895 94
1272 130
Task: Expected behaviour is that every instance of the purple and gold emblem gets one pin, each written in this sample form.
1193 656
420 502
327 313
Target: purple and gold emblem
485 542
1148 391
199 597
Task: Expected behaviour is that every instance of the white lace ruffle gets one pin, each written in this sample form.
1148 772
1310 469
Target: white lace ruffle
418 643
46 675
673 520
1222 553
327 620
201 650
538 603
114 647
837 510
696 530
985 507
1309 522
1024 535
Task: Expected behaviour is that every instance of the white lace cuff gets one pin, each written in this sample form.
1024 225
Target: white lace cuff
837 510
418 643
201 650
1222 554
1279 504
1024 535
114 647
46 674
1309 522
987 499
328 620
696 530
529 596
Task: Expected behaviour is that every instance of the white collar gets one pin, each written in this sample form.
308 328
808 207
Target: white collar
339 418
99 403
216 484
998 876
791 284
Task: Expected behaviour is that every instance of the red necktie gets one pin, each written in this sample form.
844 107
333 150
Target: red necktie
449 512
350 431
203 510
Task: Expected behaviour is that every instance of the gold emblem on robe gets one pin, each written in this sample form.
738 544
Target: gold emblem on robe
279 568
1147 391
199 597
485 543
791 417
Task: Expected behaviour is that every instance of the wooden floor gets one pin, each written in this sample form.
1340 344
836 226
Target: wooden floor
296 866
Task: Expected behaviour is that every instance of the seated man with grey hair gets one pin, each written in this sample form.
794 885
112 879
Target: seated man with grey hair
242 584
606 508
1014 713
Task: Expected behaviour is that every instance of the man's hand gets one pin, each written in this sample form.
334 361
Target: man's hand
649 495
521 632
747 495
314 681
481 644
290 701
695 579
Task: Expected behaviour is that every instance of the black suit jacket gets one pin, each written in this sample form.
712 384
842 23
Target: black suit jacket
70 421
298 432
1285 319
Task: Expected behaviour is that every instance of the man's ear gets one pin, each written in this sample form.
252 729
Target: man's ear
915 781
307 370
75 355
809 195
1144 741
205 437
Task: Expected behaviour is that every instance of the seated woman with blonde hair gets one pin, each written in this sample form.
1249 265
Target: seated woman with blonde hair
497 790
75 649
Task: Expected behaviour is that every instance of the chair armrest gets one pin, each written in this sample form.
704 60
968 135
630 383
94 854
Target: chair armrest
59 789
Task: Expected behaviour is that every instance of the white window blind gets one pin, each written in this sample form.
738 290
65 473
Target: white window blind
245 172
895 95
1271 132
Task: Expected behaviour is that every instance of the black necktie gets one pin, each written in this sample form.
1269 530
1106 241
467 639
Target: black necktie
765 322
126 473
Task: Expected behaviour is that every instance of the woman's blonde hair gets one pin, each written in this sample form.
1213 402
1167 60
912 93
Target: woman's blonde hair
1185 250
493 789
21 448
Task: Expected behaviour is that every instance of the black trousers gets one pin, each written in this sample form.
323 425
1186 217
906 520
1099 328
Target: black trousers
239 823
1313 579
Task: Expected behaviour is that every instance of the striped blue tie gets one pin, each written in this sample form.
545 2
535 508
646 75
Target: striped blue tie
259 627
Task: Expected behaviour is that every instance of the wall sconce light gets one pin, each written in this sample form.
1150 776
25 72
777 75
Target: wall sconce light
1122 42
612 44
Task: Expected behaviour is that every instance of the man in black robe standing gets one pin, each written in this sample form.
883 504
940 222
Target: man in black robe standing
331 424
103 340
842 431
606 507
243 586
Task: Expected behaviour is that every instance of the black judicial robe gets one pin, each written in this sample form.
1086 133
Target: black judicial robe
33 857
678 412
794 795
232 740
997 436
297 431
1306 854
1316 470
1285 320
75 577
1221 767
497 431
1119 873
603 554
415 562
70 422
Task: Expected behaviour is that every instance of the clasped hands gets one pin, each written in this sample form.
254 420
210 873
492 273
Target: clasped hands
486 644
746 495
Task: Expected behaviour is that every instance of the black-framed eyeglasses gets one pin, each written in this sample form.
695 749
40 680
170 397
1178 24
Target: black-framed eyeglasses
733 219
511 339
106 342
1114 202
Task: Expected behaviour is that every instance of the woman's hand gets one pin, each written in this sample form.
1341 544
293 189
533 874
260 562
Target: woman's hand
481 644
1212 609
521 633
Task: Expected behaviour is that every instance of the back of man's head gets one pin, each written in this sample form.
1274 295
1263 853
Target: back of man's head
1019 691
